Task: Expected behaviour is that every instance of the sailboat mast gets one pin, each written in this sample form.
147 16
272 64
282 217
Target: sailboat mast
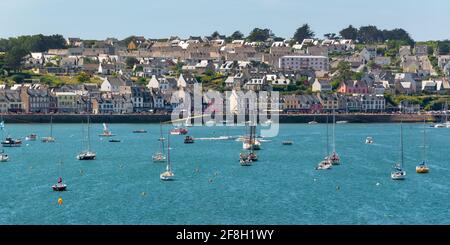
51 126
424 142
88 134
161 139
168 153
401 144
328 146
334 129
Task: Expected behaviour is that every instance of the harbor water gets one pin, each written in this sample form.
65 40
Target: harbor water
122 186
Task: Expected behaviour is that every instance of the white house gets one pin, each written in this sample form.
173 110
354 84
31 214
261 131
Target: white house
321 86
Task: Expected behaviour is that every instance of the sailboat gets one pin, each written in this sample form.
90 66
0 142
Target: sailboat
445 123
87 154
398 173
106 132
168 174
251 144
49 139
59 186
326 163
3 156
313 121
423 167
334 157
159 156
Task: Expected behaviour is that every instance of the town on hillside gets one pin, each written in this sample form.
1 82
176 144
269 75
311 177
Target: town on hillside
359 70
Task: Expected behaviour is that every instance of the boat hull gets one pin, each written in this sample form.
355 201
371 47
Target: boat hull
59 187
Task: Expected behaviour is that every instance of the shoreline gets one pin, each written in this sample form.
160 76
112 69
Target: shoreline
158 118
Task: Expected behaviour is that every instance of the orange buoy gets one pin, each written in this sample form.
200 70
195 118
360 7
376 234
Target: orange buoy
60 201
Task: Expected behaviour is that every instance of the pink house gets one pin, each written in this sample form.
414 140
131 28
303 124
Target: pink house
353 87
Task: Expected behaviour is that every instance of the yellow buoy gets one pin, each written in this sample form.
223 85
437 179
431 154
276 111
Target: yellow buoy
60 201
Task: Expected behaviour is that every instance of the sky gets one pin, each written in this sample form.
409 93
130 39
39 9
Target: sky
99 19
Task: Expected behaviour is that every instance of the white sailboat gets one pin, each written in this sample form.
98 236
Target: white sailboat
3 156
325 164
334 157
49 139
168 174
160 156
59 186
87 154
398 173
106 132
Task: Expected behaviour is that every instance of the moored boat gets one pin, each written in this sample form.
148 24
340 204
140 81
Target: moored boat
178 131
398 172
168 174
188 140
369 140
140 131
10 142
4 157
288 142
49 139
423 168
31 137
160 156
87 154
60 186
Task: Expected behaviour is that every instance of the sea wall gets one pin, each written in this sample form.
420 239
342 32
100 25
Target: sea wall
154 118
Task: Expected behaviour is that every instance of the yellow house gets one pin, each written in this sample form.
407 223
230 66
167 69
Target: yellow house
67 101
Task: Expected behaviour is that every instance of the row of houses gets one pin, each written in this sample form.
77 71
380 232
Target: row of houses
333 102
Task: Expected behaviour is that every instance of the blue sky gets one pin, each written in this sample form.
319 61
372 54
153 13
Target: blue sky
99 19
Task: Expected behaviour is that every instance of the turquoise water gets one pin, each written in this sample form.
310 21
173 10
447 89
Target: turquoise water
123 187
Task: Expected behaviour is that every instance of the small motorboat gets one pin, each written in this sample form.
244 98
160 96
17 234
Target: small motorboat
422 168
178 131
114 141
369 140
31 137
60 186
4 157
188 140
159 157
86 156
10 142
140 131
288 142
313 122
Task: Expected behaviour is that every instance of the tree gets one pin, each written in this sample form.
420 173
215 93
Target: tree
14 58
397 34
83 77
349 33
302 33
259 35
237 35
131 61
215 35
369 34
